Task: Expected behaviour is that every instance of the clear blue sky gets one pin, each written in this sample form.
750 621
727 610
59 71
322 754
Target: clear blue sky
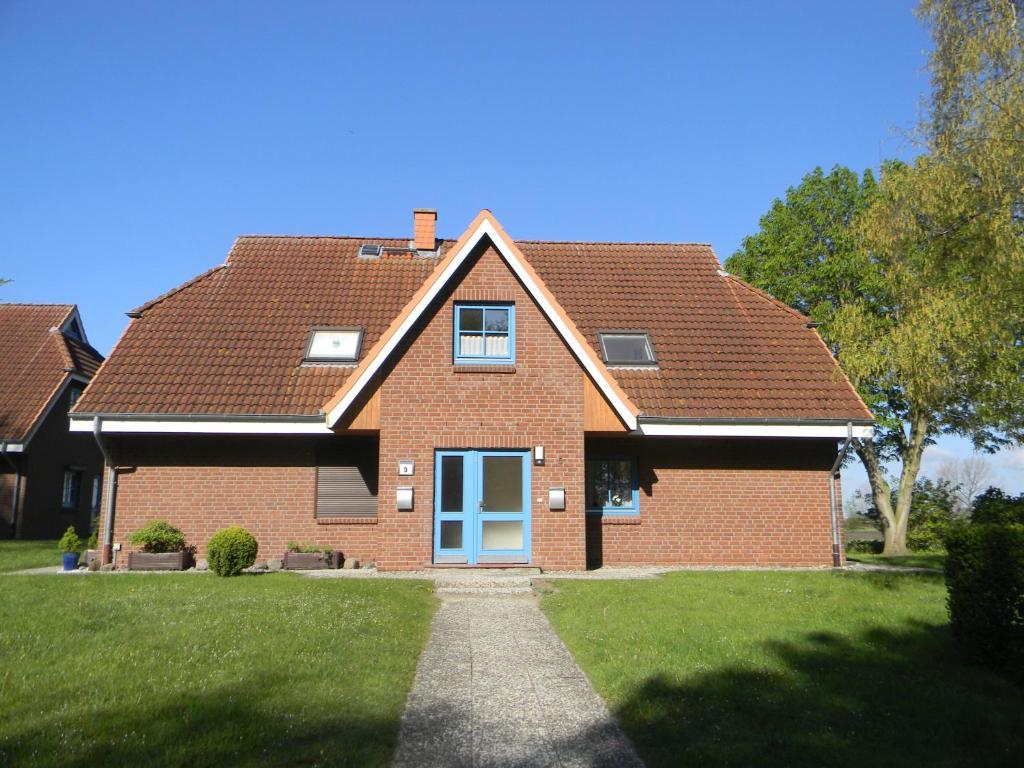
139 138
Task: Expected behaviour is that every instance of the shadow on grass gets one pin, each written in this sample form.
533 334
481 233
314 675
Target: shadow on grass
229 726
884 697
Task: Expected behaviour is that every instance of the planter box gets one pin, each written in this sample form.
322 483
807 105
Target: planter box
310 561
162 561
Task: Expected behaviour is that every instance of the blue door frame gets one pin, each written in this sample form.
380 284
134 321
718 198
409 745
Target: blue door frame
465 531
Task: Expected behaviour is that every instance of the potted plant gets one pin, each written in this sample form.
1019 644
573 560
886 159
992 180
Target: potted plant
309 557
71 547
163 548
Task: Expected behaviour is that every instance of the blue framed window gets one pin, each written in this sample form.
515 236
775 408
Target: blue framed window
485 333
612 487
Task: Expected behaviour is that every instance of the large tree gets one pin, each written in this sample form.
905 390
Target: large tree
918 280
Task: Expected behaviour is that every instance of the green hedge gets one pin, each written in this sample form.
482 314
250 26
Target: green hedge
985 583
864 547
230 551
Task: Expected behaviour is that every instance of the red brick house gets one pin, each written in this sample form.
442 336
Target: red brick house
49 478
482 401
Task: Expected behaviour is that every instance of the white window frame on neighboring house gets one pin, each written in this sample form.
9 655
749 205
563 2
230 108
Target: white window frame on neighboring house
71 489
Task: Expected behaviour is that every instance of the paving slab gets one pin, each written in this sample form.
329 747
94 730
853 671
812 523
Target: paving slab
495 687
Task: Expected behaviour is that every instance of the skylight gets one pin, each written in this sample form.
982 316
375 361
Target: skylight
334 345
627 348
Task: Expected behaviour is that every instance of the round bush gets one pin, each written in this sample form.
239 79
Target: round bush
158 536
231 550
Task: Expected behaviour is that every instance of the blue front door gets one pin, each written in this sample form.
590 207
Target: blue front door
482 507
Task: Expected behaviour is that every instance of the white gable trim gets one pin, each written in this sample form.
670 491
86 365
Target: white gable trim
484 228
837 431
169 425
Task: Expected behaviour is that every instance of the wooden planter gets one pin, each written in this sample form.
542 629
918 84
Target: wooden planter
157 561
310 561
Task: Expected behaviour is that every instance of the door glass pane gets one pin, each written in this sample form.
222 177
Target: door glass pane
503 484
502 534
451 484
451 534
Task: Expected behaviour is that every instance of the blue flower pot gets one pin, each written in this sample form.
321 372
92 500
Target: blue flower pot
70 561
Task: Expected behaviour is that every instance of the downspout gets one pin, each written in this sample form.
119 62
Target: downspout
106 555
832 475
16 492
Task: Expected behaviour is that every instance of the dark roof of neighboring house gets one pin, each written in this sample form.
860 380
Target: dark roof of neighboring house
231 341
36 358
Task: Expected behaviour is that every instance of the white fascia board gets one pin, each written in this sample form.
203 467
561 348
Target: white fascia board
485 228
836 432
170 426
13 447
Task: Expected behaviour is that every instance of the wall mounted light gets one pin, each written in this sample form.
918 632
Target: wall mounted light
538 455
404 499
556 499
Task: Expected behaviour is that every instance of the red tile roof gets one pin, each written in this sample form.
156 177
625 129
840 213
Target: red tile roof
724 349
35 360
231 341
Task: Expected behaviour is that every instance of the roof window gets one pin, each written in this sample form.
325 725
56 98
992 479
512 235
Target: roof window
367 251
334 345
627 348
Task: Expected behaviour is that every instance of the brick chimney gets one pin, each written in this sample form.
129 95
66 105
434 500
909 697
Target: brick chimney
424 226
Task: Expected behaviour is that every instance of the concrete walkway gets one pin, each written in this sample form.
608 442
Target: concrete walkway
496 687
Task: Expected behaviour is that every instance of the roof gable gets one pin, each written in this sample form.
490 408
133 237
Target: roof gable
483 226
37 357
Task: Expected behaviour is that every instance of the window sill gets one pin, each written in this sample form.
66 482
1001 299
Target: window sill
620 520
484 368
343 520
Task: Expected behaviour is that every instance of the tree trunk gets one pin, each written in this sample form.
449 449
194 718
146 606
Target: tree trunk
895 517
881 494
905 490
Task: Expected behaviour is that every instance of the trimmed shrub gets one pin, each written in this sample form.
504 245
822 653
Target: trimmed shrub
231 550
864 547
158 536
995 506
985 584
70 541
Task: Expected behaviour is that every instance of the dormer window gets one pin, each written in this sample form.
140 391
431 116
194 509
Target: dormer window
628 348
334 345
485 333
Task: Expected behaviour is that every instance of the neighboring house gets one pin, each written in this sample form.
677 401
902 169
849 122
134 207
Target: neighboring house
49 478
478 402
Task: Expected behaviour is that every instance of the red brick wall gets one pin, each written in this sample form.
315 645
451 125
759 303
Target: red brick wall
427 403
703 502
716 502
203 484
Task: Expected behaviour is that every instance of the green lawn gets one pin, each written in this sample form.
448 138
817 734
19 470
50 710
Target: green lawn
936 560
195 670
18 555
788 669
